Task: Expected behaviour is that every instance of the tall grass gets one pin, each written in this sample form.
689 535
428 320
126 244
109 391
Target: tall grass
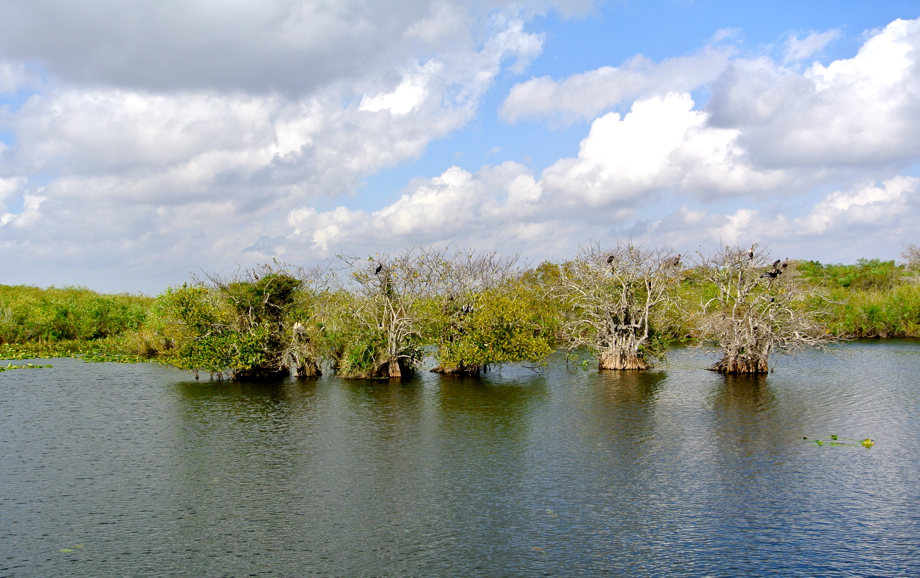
31 314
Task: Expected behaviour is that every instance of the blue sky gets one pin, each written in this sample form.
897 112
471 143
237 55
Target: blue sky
139 145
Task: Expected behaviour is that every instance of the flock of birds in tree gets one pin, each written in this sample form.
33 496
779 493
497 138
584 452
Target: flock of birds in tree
672 262
773 272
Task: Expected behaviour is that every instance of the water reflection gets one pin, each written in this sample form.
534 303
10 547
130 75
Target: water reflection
677 471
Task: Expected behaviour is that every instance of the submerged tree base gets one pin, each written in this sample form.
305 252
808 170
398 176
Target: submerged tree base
737 365
621 361
307 369
261 373
462 369
393 369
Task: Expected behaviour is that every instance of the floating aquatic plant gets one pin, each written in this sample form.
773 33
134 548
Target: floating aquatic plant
10 367
839 441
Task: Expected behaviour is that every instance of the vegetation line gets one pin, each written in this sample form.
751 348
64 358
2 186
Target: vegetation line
373 317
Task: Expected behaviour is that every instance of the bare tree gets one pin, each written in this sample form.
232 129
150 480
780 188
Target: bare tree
381 312
758 310
911 256
611 298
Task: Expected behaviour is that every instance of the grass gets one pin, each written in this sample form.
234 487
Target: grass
70 313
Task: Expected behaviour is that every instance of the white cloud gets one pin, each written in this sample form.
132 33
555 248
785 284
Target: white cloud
812 44
662 143
868 206
859 112
584 95
129 180
16 76
199 174
867 220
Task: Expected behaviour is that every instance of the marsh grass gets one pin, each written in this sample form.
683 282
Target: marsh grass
30 314
118 349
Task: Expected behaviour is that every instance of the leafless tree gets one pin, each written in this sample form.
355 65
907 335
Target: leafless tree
911 256
384 300
759 310
612 297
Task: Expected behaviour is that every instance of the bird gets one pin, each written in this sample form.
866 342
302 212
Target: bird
771 274
786 262
378 269
610 259
673 262
751 252
776 264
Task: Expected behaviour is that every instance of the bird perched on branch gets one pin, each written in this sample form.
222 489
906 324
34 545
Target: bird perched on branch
751 252
378 269
786 262
673 262
772 273
610 259
776 264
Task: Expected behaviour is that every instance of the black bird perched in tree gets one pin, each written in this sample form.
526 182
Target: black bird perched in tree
672 262
378 269
610 259
786 262
771 274
751 252
776 264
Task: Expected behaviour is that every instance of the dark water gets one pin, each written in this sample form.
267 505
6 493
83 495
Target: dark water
140 471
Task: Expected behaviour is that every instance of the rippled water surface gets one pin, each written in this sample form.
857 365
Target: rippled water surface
138 470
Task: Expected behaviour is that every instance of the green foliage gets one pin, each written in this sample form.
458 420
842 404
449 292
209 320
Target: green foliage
865 274
247 326
33 314
504 324
120 349
875 313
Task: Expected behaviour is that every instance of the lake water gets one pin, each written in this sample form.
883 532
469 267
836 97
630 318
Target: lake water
139 470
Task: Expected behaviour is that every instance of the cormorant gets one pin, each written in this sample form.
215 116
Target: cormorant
751 252
776 264
786 262
610 259
378 269
771 274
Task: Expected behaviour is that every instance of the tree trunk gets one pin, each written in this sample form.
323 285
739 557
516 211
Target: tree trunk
621 360
741 364
394 369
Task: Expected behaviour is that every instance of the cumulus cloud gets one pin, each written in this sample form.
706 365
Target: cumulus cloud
583 96
661 144
115 178
865 220
857 112
201 174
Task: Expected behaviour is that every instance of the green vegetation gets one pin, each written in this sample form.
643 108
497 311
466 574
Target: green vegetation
251 325
870 298
379 317
72 313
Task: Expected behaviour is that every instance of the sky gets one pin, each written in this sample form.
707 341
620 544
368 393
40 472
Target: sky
145 142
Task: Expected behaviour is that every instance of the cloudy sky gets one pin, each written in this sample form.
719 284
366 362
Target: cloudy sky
141 141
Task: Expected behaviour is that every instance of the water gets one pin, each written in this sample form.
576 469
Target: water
139 470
